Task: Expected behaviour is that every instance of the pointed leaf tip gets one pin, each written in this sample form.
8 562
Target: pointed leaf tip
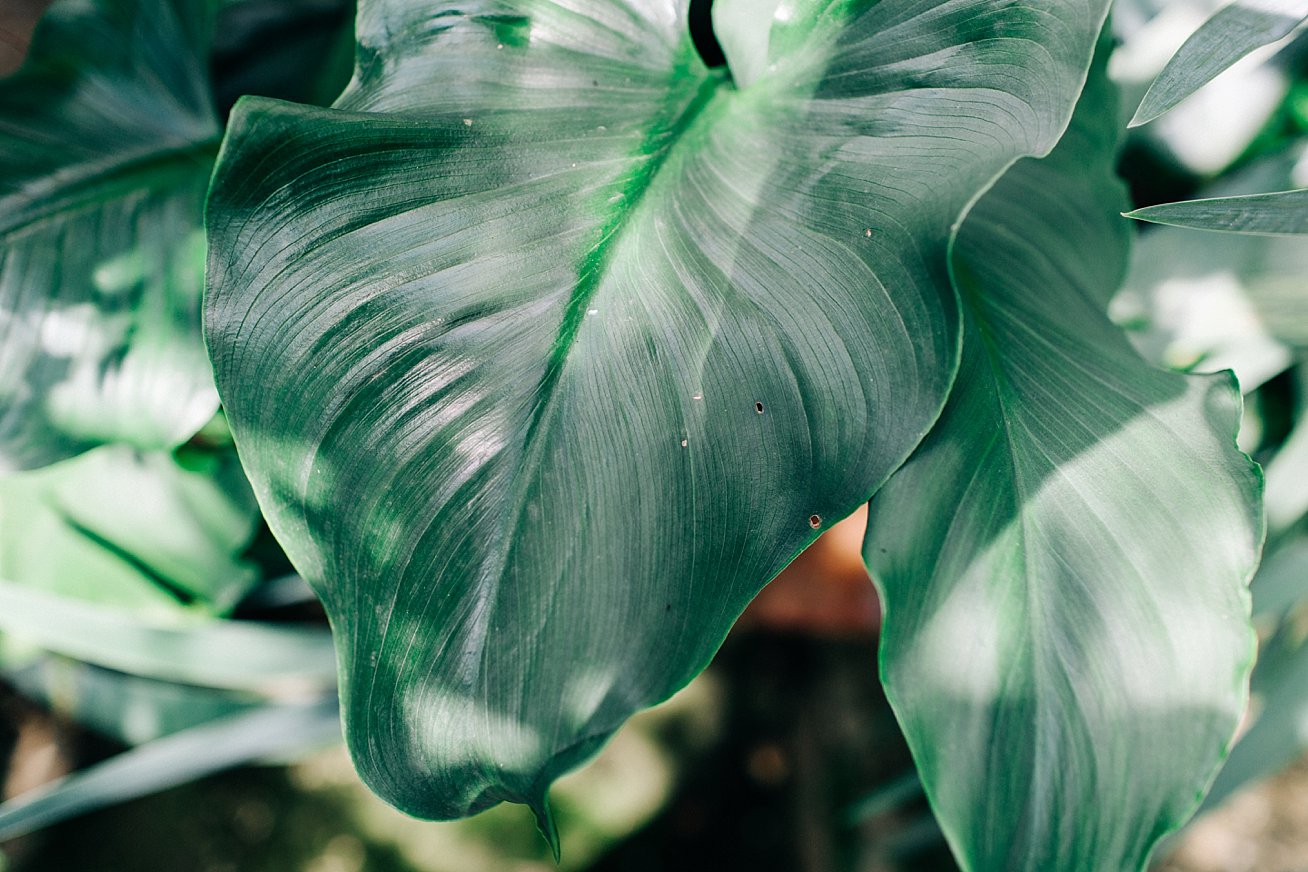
545 823
1232 33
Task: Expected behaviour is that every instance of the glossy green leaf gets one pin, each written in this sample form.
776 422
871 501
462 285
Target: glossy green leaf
107 137
134 530
547 347
1278 214
1232 33
1063 561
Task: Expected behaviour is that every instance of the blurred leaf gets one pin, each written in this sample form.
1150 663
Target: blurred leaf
891 796
107 136
1282 579
1064 559
129 708
1286 496
129 529
1204 135
300 50
1233 32
1205 302
566 345
270 732
1279 214
240 655
1279 708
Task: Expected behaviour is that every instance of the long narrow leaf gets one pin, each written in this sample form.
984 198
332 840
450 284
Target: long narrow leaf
129 708
213 653
268 733
1282 213
1232 33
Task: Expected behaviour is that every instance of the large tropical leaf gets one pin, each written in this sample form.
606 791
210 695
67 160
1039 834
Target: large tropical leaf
107 136
547 347
1275 735
1063 561
1232 33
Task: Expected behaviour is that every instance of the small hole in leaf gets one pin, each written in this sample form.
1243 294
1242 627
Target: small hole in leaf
701 33
815 521
758 407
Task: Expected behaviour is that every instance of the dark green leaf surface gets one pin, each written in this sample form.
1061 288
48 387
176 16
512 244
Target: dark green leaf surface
107 136
1233 32
1063 561
548 347
1276 214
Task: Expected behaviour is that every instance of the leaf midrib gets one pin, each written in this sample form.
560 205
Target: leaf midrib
594 269
1005 397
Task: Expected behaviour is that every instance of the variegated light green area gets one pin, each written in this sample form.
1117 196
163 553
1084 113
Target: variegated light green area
107 137
1232 33
134 530
1063 560
125 560
547 347
1282 213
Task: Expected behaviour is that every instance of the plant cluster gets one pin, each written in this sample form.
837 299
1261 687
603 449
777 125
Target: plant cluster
546 345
